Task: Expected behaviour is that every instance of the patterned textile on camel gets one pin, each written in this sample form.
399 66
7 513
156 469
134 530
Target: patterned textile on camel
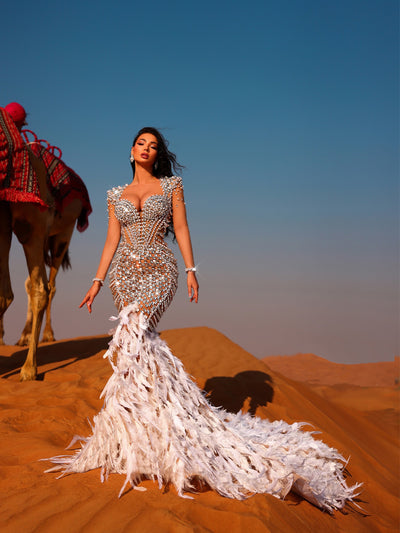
22 185
18 182
65 185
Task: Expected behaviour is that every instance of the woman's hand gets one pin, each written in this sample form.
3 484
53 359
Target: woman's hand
91 295
193 286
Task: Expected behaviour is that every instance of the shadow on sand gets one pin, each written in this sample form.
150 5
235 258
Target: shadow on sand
228 392
54 352
231 393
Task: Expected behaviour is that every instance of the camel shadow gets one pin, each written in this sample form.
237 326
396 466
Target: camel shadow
54 352
231 393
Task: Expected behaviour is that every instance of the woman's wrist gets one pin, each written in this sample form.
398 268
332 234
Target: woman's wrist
190 269
98 280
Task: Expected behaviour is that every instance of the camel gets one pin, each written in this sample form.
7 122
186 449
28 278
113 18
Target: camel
43 233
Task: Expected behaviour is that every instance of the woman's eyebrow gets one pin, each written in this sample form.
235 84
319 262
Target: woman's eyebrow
152 142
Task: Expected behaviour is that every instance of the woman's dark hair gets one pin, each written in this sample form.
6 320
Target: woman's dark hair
166 160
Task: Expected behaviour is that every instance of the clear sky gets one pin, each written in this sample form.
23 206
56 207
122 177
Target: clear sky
285 115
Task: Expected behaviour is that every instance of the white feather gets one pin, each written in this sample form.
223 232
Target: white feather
156 423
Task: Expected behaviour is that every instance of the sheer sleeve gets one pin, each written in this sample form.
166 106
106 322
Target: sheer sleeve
110 205
112 197
178 202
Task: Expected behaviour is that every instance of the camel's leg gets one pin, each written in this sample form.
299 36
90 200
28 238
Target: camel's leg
26 332
31 226
59 247
24 231
38 296
6 294
48 333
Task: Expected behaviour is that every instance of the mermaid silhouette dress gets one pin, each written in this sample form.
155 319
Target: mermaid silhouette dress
155 422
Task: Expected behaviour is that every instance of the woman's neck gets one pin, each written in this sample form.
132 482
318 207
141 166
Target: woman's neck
142 175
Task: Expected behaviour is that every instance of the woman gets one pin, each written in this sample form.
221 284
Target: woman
155 422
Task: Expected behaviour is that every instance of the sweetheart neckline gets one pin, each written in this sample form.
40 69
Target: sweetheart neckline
139 211
144 203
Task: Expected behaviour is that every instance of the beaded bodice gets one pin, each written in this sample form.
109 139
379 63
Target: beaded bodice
144 270
141 229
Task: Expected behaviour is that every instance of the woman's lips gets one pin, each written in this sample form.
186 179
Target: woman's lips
144 156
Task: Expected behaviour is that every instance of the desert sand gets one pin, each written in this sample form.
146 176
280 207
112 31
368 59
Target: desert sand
38 420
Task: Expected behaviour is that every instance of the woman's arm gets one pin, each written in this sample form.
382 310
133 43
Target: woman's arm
183 237
110 246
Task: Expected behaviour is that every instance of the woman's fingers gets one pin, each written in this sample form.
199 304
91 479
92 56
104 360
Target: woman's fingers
83 301
195 294
193 290
88 300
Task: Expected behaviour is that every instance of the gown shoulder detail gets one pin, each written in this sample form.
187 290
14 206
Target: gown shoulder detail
171 183
114 194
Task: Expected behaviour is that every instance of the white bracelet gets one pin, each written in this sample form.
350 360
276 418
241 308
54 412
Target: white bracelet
191 269
101 281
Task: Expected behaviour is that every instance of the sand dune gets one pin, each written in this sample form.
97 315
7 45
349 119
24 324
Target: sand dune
318 371
38 420
371 388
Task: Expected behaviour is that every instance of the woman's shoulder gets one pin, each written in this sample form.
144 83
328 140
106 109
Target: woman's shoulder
172 182
115 192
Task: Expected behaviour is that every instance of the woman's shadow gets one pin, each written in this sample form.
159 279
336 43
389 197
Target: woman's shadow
231 393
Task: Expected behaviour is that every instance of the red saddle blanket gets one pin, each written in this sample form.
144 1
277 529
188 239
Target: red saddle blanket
18 181
65 184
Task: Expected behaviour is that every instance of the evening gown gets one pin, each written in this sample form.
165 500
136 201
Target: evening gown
155 422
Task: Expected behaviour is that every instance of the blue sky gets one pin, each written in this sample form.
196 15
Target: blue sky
285 115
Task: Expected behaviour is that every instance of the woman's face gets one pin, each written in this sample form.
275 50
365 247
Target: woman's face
144 150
